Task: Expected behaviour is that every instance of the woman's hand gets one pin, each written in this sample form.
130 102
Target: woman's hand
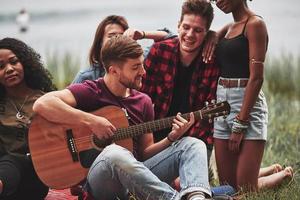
235 141
210 44
180 126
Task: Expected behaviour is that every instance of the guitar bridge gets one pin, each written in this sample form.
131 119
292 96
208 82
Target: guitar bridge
71 145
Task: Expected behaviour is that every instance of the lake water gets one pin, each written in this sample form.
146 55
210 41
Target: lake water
69 25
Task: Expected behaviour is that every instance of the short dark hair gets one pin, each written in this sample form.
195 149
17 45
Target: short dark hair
216 1
36 75
94 56
118 49
202 8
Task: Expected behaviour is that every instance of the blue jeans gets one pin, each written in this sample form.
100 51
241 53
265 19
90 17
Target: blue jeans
115 171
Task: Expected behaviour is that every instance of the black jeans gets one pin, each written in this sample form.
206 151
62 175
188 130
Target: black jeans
19 179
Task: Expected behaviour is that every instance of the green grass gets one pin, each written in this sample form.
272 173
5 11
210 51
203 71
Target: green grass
282 76
63 68
282 89
288 192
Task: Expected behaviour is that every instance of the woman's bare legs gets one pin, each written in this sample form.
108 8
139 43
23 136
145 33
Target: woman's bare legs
266 171
275 179
239 169
226 163
249 161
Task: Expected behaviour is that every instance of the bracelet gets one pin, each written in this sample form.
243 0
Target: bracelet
237 130
169 139
239 126
143 34
243 122
253 61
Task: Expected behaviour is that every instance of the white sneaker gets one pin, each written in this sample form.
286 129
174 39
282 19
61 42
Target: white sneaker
196 196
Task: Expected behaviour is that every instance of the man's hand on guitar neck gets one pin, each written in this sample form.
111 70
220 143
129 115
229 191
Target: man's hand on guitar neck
180 126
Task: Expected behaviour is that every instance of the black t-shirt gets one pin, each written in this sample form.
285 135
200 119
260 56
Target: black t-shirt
181 93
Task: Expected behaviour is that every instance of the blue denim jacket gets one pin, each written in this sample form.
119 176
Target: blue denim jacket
92 73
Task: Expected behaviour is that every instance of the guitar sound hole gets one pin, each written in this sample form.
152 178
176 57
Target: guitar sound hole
100 143
87 157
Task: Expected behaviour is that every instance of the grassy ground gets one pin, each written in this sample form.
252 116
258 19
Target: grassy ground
283 146
282 89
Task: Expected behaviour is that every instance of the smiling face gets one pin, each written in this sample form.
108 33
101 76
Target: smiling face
11 70
192 31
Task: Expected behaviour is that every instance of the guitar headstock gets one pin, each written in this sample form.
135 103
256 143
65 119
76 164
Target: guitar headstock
214 110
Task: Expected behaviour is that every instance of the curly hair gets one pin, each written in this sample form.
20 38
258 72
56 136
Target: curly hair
35 74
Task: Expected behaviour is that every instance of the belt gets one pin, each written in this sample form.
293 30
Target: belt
230 83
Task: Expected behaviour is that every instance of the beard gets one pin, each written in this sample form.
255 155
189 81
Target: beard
130 84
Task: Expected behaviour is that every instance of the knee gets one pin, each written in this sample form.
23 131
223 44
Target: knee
194 143
117 155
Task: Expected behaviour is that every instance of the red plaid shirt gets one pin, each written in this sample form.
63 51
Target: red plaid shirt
161 66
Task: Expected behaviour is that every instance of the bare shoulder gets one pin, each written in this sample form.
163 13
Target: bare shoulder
256 23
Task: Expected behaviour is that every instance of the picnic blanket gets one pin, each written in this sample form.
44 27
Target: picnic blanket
60 195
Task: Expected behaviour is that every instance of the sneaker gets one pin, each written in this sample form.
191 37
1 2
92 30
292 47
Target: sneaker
223 190
196 196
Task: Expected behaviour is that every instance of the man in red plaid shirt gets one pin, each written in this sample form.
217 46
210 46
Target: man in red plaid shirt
177 79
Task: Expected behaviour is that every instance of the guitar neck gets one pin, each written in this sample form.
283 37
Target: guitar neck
148 127
208 112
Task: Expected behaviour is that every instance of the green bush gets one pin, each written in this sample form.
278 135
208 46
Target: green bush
282 76
63 68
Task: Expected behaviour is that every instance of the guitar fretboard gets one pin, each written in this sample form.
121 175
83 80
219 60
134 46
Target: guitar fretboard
148 127
218 109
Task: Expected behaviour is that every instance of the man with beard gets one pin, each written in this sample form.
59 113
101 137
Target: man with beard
148 171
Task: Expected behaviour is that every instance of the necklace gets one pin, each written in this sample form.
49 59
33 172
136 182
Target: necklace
20 114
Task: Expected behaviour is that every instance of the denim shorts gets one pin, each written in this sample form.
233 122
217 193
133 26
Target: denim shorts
257 129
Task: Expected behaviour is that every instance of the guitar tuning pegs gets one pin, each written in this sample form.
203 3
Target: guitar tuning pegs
206 103
210 120
218 119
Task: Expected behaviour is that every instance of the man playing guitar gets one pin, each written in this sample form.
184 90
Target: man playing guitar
148 171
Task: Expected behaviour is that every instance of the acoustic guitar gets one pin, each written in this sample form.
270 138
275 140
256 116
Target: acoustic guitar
62 155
